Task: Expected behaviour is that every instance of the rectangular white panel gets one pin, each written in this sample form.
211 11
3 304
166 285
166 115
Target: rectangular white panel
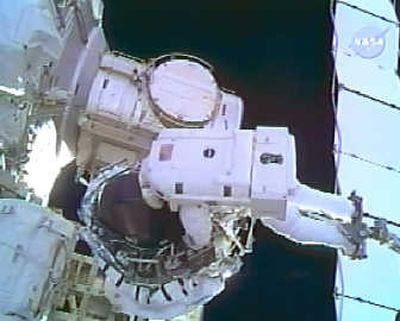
269 185
369 124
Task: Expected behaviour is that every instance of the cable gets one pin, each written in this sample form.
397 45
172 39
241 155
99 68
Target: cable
333 96
362 300
364 95
368 12
340 270
355 156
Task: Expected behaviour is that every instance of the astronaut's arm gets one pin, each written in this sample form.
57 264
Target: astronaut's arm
315 217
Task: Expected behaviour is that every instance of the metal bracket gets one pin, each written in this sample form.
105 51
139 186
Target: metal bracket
381 233
357 231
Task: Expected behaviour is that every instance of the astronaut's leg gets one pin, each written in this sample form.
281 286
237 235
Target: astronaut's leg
196 221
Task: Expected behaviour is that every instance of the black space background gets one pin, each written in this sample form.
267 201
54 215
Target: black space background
276 56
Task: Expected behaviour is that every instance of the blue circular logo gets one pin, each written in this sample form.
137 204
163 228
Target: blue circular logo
369 42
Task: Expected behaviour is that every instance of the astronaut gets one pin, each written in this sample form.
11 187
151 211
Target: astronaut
194 170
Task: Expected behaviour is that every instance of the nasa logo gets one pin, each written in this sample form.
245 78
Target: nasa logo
369 42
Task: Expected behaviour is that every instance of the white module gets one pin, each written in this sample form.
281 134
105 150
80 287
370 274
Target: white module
132 100
114 93
116 124
34 246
